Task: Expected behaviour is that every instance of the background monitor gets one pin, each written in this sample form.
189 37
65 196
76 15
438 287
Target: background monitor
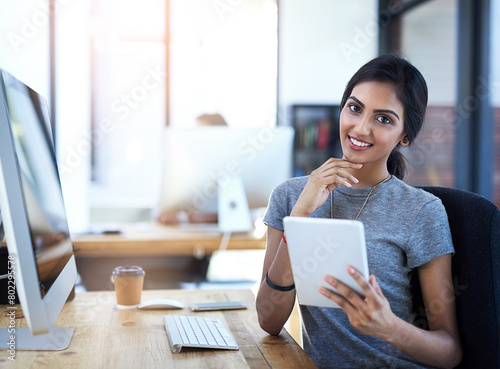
210 169
34 217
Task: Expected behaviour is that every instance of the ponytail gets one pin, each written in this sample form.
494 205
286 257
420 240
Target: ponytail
396 164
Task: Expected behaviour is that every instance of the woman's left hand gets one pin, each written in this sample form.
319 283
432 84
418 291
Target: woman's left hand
371 315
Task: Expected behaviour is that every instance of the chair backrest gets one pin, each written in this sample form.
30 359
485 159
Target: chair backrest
475 228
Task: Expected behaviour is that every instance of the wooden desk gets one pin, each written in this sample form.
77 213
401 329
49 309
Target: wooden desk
154 239
106 337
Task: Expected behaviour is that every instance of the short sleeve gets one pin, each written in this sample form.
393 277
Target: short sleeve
430 236
276 210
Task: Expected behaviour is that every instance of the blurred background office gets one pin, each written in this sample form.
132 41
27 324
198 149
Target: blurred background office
116 72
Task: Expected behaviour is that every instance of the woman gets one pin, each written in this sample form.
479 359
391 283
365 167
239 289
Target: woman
406 230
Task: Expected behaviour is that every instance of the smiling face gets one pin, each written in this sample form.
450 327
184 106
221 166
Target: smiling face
371 124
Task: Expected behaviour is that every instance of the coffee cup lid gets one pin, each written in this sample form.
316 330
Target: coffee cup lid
128 271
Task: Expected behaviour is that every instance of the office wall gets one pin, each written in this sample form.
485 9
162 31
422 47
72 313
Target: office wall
321 44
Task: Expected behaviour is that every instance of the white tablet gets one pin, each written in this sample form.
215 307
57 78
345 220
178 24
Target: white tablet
319 246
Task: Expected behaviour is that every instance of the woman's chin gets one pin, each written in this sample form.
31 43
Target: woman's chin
352 159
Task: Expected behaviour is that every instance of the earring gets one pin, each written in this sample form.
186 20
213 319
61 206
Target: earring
405 142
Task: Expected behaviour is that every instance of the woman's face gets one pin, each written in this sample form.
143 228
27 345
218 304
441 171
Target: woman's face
371 123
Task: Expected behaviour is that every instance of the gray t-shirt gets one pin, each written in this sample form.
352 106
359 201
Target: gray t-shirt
405 227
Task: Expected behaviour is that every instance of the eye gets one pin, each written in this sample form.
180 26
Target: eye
354 108
383 119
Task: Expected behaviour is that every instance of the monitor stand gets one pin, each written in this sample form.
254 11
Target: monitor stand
22 339
233 211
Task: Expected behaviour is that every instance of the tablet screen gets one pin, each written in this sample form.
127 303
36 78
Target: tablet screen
319 246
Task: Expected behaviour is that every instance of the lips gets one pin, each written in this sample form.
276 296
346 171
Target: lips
358 144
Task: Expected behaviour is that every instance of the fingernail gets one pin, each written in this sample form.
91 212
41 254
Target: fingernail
351 270
322 290
328 279
348 184
356 180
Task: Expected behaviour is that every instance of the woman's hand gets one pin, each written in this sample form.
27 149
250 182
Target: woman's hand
438 347
332 174
371 315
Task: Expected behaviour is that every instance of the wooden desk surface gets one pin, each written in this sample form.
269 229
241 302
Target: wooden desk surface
154 239
106 337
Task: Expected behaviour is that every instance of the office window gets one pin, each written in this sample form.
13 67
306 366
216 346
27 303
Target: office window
25 46
428 39
223 59
128 99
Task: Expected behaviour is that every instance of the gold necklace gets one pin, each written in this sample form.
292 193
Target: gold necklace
366 200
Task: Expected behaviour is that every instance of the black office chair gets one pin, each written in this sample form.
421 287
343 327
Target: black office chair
475 229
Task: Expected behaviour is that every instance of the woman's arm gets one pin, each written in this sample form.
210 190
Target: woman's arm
274 307
439 346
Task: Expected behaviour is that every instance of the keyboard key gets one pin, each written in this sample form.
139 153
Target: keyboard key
183 334
206 331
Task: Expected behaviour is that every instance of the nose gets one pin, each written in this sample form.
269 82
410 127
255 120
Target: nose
362 126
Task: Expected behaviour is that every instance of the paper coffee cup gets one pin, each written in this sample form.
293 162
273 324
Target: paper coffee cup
128 281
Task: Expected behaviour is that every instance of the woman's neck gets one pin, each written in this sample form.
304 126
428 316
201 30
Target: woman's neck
368 176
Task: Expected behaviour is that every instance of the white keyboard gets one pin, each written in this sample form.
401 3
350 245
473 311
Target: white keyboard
198 332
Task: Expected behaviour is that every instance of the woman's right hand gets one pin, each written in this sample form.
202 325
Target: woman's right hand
322 181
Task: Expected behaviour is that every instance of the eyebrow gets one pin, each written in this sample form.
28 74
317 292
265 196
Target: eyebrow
377 110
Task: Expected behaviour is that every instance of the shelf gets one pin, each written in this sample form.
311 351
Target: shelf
316 136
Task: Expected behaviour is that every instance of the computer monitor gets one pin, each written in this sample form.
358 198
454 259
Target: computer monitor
34 219
225 170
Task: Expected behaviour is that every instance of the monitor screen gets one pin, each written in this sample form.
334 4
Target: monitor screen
40 181
198 160
34 217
